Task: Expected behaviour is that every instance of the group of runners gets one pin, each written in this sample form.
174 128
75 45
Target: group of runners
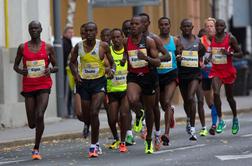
133 69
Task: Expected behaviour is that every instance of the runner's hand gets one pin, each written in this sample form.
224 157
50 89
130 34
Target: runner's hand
141 56
179 58
77 79
224 52
110 74
47 72
122 62
24 72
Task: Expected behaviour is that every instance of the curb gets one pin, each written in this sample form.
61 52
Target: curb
103 132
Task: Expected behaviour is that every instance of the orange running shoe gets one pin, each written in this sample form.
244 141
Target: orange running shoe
143 133
92 152
36 155
157 142
123 148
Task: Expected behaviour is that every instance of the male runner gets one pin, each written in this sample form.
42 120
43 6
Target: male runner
126 28
168 76
164 58
189 72
36 56
116 91
224 47
142 55
90 79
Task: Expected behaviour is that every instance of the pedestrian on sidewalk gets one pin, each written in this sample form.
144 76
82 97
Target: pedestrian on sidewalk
37 55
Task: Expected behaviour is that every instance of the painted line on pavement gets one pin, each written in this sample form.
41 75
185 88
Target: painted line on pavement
10 162
181 148
234 157
247 135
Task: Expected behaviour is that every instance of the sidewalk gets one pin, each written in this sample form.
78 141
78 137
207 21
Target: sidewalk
72 128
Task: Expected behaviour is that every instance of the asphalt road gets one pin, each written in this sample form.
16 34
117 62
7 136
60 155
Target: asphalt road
222 149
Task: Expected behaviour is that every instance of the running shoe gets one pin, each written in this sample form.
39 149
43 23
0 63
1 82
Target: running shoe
92 152
212 130
85 131
36 155
99 149
203 132
235 126
114 145
221 126
143 133
123 148
148 147
172 123
193 136
157 142
130 140
165 140
138 124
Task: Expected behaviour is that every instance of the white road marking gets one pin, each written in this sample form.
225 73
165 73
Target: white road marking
247 135
182 148
9 162
234 157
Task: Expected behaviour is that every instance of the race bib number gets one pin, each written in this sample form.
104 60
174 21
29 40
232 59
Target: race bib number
166 65
120 78
218 57
35 68
134 61
90 70
190 59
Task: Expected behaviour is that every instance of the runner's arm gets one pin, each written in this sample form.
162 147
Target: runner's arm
110 59
52 57
153 58
73 63
160 47
18 59
237 50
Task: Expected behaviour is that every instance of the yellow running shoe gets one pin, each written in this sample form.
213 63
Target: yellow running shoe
148 147
138 124
114 145
203 132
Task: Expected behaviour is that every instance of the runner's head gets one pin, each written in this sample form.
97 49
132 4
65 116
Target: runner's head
210 26
126 28
220 26
164 25
35 29
90 31
145 20
82 31
105 35
117 37
186 27
136 25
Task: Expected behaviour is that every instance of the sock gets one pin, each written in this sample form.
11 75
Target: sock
213 114
157 133
204 127
93 146
129 132
192 130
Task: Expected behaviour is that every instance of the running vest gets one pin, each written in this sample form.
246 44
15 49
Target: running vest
119 82
91 66
166 67
220 61
36 63
136 65
190 58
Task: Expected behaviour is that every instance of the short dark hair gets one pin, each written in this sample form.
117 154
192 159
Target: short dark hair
116 29
104 30
91 22
184 20
146 15
164 18
124 22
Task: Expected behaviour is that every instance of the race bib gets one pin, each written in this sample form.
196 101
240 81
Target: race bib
218 57
35 68
120 78
90 70
190 59
134 61
166 65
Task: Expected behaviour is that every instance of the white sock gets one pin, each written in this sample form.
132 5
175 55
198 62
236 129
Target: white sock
93 146
129 132
192 130
158 133
204 127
